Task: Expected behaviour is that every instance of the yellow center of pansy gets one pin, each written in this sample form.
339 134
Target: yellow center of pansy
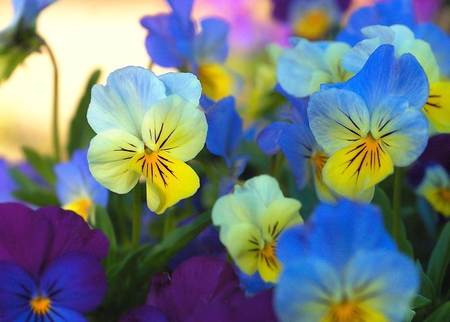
353 311
318 160
313 24
81 207
40 305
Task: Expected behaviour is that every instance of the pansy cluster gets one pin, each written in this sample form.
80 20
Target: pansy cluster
317 191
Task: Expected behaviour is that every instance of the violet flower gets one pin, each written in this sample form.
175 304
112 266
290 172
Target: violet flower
50 266
202 289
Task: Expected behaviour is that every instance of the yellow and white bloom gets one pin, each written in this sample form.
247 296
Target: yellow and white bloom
251 220
147 126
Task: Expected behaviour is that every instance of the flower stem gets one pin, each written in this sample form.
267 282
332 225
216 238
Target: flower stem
276 164
55 124
396 205
136 229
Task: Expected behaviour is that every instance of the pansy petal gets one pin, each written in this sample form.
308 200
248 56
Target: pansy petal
382 281
184 84
68 315
17 287
337 118
288 215
437 107
75 280
318 284
298 145
218 81
357 167
211 43
385 75
122 103
296 67
268 138
402 131
168 179
263 186
176 127
236 208
109 156
244 242
324 194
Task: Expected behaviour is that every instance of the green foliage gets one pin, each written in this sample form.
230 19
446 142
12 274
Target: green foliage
80 133
42 165
439 260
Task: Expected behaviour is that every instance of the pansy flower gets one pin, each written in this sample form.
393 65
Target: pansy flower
76 188
7 183
429 176
173 41
437 107
371 123
147 126
50 267
19 39
251 220
302 69
310 19
201 289
342 265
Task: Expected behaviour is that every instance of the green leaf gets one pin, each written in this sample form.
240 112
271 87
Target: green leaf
381 199
427 288
42 165
439 259
80 133
103 222
31 192
420 301
442 314
173 242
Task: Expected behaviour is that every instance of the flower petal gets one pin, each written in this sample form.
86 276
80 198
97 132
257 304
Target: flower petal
184 84
265 187
17 287
211 43
437 107
76 281
279 215
244 242
403 131
337 118
122 103
356 168
176 127
109 158
168 180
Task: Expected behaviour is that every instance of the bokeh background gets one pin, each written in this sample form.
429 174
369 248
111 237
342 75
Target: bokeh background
97 34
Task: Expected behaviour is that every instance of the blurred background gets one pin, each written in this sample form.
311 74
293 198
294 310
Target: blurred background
94 34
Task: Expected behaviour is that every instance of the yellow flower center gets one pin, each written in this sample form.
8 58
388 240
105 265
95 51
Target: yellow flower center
313 24
269 257
40 305
318 160
81 207
445 195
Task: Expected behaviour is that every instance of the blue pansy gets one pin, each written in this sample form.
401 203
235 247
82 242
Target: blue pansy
174 41
76 188
342 265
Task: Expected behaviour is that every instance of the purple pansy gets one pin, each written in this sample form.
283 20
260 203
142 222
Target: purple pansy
49 264
202 289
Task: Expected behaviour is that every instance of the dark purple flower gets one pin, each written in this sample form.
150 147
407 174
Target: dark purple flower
50 267
202 289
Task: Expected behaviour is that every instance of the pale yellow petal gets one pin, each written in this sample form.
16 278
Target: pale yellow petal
175 126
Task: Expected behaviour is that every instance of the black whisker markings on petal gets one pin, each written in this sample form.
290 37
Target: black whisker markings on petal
267 261
274 229
306 147
163 158
253 250
151 170
124 150
165 140
56 313
29 316
362 147
143 163
150 134
277 234
381 127
305 156
353 122
166 166
348 129
160 132
389 133
50 288
358 170
252 241
434 96
162 174
433 105
357 147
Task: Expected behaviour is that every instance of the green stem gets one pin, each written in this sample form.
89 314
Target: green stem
136 229
168 222
55 124
276 164
396 205
122 221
